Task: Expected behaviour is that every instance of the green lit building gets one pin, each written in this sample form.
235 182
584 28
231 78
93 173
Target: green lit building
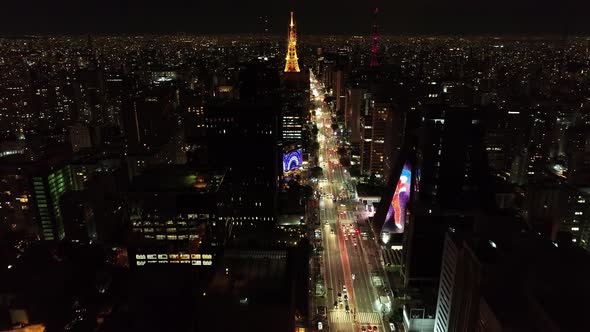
48 189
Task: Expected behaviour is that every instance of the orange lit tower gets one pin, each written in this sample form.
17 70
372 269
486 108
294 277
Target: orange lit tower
291 64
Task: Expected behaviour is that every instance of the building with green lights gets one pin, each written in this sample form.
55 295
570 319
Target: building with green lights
49 188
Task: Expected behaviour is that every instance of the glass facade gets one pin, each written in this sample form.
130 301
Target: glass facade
48 191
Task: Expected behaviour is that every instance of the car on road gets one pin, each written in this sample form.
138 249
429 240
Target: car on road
335 304
345 297
374 328
322 311
347 308
343 288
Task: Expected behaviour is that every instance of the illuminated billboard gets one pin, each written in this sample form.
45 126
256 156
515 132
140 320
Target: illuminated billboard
395 219
292 160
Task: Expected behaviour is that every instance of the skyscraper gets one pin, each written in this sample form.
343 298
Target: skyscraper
439 181
49 186
373 127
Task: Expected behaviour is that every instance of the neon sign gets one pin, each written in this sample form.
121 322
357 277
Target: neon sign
395 219
292 160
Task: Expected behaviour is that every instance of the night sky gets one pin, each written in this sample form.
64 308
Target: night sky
313 16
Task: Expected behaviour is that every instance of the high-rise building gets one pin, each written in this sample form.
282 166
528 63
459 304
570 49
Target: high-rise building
440 180
148 120
243 137
553 207
498 280
457 305
352 111
176 215
49 186
294 108
17 206
374 123
451 158
78 217
80 137
395 132
578 155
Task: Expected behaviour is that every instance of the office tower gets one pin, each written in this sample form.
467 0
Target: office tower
291 61
10 146
578 155
176 216
498 280
340 79
335 68
78 217
554 207
374 123
440 180
294 94
535 147
243 136
451 158
257 80
328 63
80 137
452 186
193 116
395 132
352 111
49 185
17 204
461 279
149 120
450 255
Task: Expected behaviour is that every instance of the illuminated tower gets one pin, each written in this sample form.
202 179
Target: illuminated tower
291 64
375 44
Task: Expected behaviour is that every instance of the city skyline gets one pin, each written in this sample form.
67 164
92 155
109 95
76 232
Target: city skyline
418 17
288 181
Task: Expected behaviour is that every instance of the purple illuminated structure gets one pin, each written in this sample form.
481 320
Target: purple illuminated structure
292 160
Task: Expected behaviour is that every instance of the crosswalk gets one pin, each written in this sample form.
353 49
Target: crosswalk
372 318
364 318
392 257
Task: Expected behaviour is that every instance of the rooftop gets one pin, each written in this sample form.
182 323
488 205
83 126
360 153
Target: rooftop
178 179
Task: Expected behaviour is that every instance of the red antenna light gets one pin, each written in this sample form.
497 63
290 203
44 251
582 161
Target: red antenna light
375 44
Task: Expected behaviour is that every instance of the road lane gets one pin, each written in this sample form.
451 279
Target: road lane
341 257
